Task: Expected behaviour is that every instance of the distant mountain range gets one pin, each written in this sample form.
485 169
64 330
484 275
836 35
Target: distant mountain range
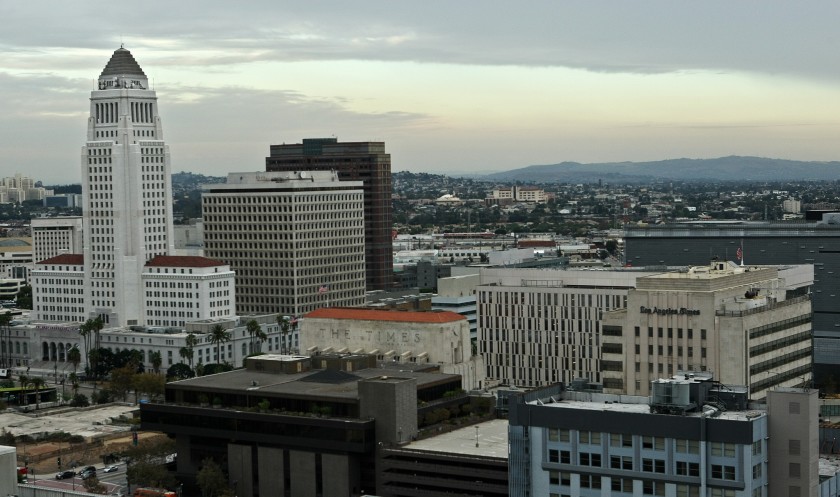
732 168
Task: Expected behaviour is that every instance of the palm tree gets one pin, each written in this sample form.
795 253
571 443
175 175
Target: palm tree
219 335
156 360
184 352
6 354
74 382
38 383
89 328
285 326
253 328
75 357
261 338
24 382
85 330
191 341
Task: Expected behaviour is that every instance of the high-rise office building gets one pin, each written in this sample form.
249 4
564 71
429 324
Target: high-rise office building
816 243
357 161
295 240
126 222
127 190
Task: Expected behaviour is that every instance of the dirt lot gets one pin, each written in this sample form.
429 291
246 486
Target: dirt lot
43 457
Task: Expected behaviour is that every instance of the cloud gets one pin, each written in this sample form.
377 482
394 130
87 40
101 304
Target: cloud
654 36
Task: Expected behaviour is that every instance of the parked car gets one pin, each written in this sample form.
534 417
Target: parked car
61 475
111 468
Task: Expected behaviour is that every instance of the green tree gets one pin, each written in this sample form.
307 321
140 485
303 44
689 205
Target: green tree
24 384
191 341
74 355
286 326
149 384
38 384
252 327
218 336
94 486
122 381
5 338
211 480
145 468
85 331
179 371
156 360
24 298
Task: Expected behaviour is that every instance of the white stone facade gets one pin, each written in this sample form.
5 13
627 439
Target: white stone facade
58 289
52 236
181 289
433 337
126 223
295 240
127 190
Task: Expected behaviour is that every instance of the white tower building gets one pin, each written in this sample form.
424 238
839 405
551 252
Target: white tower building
126 185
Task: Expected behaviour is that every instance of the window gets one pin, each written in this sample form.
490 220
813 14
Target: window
653 465
590 481
756 471
657 443
553 477
653 487
621 484
793 408
719 492
621 462
587 459
723 449
793 470
721 472
756 447
621 440
793 447
688 491
687 446
590 437
684 468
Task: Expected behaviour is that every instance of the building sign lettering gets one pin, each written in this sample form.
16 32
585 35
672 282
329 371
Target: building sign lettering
682 311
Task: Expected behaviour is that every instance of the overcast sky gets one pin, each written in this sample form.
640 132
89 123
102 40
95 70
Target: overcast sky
449 86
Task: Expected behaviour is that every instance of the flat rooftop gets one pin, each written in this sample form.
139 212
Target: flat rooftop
644 408
492 441
317 383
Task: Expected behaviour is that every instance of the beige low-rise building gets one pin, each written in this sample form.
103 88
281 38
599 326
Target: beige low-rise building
748 325
431 337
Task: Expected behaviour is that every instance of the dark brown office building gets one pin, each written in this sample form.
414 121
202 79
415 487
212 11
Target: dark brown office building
365 161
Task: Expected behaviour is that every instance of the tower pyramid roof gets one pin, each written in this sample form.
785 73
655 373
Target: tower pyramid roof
122 63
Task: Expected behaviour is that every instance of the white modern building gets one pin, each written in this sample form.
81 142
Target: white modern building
52 236
542 326
295 239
